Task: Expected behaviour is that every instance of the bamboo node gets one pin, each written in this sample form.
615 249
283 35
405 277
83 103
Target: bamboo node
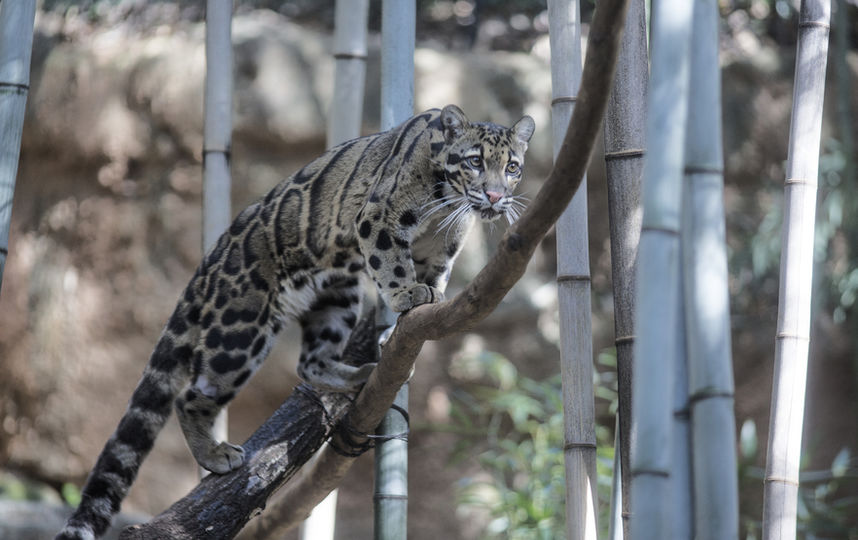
18 88
702 169
780 480
787 335
564 99
814 24
225 151
625 154
574 445
708 394
800 182
665 230
572 277
349 56
383 496
622 340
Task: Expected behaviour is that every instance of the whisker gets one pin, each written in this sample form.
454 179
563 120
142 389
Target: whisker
443 204
454 216
461 215
447 226
512 215
441 201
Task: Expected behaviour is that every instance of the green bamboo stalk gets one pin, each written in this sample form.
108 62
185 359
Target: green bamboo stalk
656 313
398 20
705 276
573 287
217 138
16 42
793 330
625 141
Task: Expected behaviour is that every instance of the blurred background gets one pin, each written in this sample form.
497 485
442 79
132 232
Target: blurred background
106 232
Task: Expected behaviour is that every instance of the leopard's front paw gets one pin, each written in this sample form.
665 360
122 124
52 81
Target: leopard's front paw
417 294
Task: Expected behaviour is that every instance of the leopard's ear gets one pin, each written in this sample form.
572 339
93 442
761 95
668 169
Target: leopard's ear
523 129
454 121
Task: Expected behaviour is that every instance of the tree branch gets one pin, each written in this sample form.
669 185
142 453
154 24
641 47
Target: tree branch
221 505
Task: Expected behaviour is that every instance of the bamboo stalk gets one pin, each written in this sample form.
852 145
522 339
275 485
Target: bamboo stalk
793 329
398 20
625 142
16 42
705 277
616 516
321 524
656 317
573 287
344 123
681 485
217 138
218 121
346 114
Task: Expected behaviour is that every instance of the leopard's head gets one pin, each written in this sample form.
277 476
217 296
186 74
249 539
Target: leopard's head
483 163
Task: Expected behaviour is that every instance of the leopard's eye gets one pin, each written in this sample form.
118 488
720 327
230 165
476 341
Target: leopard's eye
512 167
475 162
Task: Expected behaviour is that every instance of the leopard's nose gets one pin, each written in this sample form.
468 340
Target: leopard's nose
494 196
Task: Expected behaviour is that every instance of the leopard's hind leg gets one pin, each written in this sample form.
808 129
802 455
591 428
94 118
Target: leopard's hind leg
230 349
326 327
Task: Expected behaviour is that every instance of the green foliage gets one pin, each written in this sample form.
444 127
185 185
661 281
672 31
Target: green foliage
837 229
19 488
513 427
71 494
826 506
836 238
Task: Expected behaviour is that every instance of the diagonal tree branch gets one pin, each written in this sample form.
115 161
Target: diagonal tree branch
221 505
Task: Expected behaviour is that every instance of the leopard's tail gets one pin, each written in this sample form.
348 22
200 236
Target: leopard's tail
119 461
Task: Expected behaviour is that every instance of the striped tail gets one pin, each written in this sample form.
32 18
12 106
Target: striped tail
117 466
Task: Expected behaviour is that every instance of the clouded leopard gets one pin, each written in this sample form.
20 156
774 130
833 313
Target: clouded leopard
396 205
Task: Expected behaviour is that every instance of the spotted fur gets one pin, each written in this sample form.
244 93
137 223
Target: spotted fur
396 205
